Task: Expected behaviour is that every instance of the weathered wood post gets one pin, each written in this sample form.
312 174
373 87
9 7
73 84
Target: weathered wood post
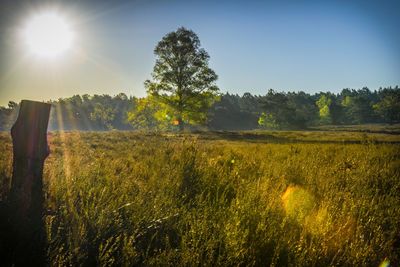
29 136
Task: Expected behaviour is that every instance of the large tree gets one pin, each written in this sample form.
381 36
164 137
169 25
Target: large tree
182 81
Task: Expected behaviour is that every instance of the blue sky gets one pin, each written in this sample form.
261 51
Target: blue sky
254 45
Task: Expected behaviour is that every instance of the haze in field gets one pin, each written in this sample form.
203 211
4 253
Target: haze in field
107 46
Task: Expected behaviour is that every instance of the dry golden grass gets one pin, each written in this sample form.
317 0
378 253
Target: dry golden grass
253 198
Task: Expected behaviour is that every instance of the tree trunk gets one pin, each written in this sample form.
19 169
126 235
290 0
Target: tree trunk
181 124
29 136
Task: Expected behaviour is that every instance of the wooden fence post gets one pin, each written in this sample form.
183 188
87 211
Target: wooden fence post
29 136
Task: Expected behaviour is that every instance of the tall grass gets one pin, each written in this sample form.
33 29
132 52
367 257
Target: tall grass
126 199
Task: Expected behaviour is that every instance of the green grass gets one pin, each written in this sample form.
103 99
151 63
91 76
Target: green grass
248 198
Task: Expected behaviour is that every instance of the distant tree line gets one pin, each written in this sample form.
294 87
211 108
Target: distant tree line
275 110
97 112
299 110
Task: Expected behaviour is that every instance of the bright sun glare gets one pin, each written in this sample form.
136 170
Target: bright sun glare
48 35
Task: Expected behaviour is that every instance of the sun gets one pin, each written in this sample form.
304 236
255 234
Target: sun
48 35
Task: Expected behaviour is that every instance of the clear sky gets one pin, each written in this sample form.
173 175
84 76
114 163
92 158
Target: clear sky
254 45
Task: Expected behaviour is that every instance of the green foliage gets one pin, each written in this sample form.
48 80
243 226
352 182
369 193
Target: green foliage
325 114
323 103
389 105
102 115
277 108
97 112
147 114
8 115
330 111
234 112
286 110
304 110
357 106
269 198
267 121
182 80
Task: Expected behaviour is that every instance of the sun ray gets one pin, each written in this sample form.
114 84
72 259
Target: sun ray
86 122
61 132
71 117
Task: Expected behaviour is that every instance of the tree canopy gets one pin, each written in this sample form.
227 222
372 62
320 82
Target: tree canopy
182 81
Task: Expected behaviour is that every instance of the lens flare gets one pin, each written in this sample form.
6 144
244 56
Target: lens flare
298 202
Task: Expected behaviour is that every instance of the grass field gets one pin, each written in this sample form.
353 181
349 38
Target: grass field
224 198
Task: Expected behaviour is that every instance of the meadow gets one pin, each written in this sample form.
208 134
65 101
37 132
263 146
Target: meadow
220 198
